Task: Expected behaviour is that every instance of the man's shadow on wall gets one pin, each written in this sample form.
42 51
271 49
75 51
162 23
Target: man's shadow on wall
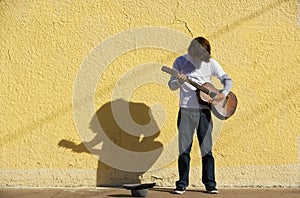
105 117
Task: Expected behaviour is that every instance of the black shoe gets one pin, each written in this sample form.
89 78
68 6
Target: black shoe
179 190
212 190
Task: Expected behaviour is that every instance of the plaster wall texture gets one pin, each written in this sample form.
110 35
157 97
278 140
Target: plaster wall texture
69 67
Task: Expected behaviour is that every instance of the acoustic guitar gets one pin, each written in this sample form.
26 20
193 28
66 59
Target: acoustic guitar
223 109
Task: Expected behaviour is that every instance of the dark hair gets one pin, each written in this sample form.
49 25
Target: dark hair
204 42
199 48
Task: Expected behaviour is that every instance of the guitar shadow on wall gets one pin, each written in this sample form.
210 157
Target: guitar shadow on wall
139 142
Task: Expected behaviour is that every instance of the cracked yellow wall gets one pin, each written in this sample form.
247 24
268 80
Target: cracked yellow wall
44 44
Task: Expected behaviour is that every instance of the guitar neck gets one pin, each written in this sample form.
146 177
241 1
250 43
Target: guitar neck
175 72
201 88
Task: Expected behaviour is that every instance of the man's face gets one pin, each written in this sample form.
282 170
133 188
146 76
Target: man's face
203 54
198 52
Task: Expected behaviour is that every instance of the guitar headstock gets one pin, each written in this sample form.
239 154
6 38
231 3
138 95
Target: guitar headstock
169 70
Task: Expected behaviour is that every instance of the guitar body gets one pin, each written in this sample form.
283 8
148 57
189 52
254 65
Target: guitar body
223 109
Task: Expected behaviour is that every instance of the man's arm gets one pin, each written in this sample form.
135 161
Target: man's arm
176 81
227 84
223 77
225 80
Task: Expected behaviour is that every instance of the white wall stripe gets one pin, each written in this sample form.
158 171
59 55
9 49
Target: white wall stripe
244 176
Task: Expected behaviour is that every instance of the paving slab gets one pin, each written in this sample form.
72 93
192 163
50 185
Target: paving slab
152 193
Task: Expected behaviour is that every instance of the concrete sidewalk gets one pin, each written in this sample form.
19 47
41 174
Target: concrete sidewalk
152 193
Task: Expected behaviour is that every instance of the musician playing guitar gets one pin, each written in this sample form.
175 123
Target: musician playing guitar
198 66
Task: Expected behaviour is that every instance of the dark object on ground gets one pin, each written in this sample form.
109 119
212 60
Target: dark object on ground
139 190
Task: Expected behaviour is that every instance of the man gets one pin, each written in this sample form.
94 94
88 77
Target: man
194 113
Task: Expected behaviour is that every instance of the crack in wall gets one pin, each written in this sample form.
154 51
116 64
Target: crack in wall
178 21
9 56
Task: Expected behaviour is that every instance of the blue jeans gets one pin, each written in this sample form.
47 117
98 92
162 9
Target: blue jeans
188 121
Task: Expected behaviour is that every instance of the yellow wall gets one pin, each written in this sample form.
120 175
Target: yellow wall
64 62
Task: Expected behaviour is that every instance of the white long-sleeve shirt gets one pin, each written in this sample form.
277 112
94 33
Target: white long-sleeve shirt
200 72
